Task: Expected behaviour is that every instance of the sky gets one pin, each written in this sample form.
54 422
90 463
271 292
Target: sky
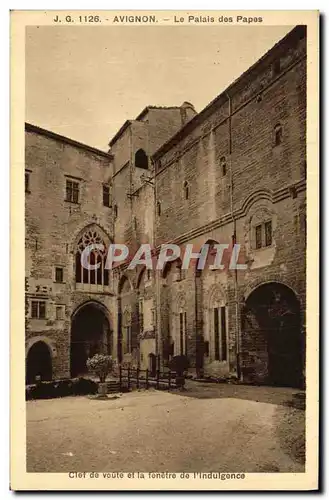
85 82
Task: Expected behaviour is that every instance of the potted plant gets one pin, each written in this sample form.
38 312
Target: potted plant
101 365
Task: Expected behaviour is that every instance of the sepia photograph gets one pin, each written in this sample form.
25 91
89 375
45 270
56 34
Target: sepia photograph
165 295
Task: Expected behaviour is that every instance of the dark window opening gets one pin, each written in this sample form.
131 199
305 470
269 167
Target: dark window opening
38 309
141 159
216 333
27 182
59 275
72 191
278 137
223 333
106 195
115 210
186 190
268 233
159 208
258 231
141 316
220 334
223 166
182 323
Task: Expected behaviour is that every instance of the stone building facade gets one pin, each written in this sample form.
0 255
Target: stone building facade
235 173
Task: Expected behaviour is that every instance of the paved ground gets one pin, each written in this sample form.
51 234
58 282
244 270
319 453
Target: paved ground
213 428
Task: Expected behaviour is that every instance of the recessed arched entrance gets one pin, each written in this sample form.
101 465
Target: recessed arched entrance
272 344
38 363
90 335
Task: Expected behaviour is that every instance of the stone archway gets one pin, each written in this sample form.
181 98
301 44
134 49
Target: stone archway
272 343
38 362
90 334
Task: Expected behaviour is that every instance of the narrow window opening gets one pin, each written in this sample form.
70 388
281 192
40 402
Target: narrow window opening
106 195
27 182
216 333
59 275
223 165
278 137
258 231
223 333
268 233
186 190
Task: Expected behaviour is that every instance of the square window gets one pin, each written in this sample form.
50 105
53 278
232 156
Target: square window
258 236
59 275
106 195
59 313
72 191
38 309
268 233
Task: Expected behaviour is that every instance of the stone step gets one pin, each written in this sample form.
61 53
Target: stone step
113 386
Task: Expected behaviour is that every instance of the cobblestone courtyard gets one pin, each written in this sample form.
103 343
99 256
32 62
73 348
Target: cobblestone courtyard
207 428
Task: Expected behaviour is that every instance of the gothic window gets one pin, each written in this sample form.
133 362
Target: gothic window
220 336
182 333
99 276
141 160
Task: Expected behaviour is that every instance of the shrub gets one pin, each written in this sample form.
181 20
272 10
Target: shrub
61 388
82 386
101 365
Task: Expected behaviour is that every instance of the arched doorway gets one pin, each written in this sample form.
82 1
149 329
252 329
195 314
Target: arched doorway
38 363
272 343
90 335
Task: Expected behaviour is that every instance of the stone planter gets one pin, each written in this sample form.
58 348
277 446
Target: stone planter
102 388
